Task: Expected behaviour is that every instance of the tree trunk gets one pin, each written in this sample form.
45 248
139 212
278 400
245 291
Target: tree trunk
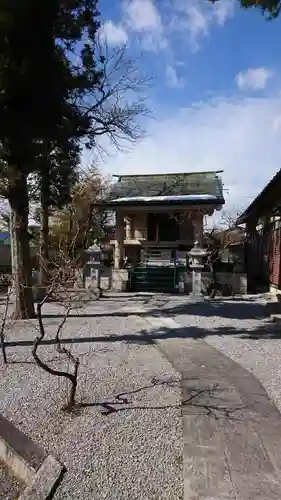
44 235
21 261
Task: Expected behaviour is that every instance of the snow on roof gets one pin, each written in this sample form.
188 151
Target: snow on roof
147 199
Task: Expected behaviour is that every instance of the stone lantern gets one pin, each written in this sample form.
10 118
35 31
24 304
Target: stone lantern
92 268
197 255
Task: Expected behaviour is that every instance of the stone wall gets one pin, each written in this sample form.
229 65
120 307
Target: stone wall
238 281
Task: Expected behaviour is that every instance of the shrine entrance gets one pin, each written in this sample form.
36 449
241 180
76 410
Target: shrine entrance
155 278
162 227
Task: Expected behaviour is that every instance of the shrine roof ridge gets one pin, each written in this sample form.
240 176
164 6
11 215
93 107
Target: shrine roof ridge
162 174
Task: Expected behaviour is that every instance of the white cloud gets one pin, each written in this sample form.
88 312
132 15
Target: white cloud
194 18
143 17
172 78
222 11
253 78
114 34
236 135
156 23
196 22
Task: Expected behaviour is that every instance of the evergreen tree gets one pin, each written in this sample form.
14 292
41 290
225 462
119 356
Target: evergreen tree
39 86
271 8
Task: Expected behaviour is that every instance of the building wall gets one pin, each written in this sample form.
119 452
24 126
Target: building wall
263 256
274 255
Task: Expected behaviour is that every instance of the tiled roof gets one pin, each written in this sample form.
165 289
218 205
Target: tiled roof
205 183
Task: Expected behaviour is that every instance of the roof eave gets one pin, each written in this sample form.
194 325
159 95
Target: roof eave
121 176
259 200
140 203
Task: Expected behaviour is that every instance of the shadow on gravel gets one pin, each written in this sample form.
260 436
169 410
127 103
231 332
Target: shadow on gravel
204 401
115 314
266 330
236 308
232 309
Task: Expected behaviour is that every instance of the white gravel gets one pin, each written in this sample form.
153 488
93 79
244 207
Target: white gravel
240 330
132 453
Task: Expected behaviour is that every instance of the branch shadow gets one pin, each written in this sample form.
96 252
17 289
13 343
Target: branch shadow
236 309
268 330
122 402
239 307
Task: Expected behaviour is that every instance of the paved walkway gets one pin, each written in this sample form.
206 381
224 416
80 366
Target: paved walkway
232 430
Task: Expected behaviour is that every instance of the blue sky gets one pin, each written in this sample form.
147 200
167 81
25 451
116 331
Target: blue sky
216 98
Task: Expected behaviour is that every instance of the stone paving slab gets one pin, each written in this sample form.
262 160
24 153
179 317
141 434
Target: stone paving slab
232 430
232 433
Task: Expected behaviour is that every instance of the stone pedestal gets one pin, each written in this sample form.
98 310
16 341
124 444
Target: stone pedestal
119 243
197 281
197 223
120 279
92 268
129 228
197 255
93 277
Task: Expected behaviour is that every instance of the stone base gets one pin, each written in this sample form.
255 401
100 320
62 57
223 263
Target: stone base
274 290
120 278
197 282
238 281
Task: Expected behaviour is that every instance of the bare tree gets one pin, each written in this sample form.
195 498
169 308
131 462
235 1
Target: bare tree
70 376
220 240
113 108
3 325
64 288
228 218
117 104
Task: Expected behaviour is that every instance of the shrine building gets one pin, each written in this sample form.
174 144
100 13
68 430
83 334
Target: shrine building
158 219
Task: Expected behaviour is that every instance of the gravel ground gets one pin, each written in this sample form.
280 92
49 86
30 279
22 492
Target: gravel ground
125 442
239 329
10 487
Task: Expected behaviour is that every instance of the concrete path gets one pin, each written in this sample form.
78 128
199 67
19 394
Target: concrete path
232 430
